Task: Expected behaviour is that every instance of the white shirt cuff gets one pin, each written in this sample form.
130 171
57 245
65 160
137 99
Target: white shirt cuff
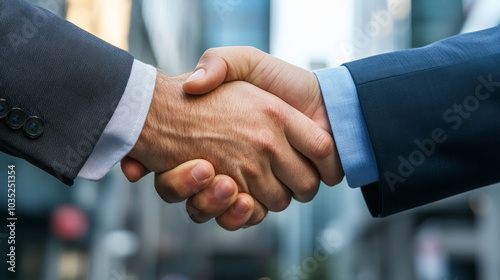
125 126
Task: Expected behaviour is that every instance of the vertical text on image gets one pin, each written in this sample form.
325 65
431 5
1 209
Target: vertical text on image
11 218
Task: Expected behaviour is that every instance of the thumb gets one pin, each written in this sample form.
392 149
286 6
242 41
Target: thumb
184 180
220 65
133 170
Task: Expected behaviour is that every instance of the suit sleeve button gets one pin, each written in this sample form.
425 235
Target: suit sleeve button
34 127
16 118
4 108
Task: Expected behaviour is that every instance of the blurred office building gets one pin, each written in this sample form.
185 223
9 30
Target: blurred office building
116 230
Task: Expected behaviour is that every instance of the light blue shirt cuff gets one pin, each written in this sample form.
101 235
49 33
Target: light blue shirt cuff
125 126
348 126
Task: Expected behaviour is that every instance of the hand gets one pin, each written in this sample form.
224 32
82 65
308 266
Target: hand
209 196
296 86
257 126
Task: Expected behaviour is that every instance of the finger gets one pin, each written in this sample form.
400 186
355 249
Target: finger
219 65
184 181
266 188
213 200
296 172
258 214
222 65
316 144
133 169
241 214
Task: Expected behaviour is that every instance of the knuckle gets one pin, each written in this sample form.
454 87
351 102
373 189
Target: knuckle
308 189
265 142
281 203
322 146
252 170
275 112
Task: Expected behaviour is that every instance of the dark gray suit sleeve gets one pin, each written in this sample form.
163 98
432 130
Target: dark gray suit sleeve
433 116
66 77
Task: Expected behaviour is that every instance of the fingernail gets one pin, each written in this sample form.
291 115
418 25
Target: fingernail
198 74
200 172
240 207
223 190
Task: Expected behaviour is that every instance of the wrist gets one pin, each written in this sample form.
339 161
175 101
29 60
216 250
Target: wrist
167 92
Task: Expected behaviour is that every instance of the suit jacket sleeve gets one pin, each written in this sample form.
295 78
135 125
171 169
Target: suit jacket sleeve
66 77
433 117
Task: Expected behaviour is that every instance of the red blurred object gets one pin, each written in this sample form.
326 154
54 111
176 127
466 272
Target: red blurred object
69 223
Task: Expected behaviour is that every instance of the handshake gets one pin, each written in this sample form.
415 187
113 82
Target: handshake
242 135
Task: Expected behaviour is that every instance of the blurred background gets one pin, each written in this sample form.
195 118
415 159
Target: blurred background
120 231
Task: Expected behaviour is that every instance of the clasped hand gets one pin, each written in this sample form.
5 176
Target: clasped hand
242 135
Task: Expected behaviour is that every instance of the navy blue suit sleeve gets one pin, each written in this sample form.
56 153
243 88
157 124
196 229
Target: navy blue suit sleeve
70 79
433 117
